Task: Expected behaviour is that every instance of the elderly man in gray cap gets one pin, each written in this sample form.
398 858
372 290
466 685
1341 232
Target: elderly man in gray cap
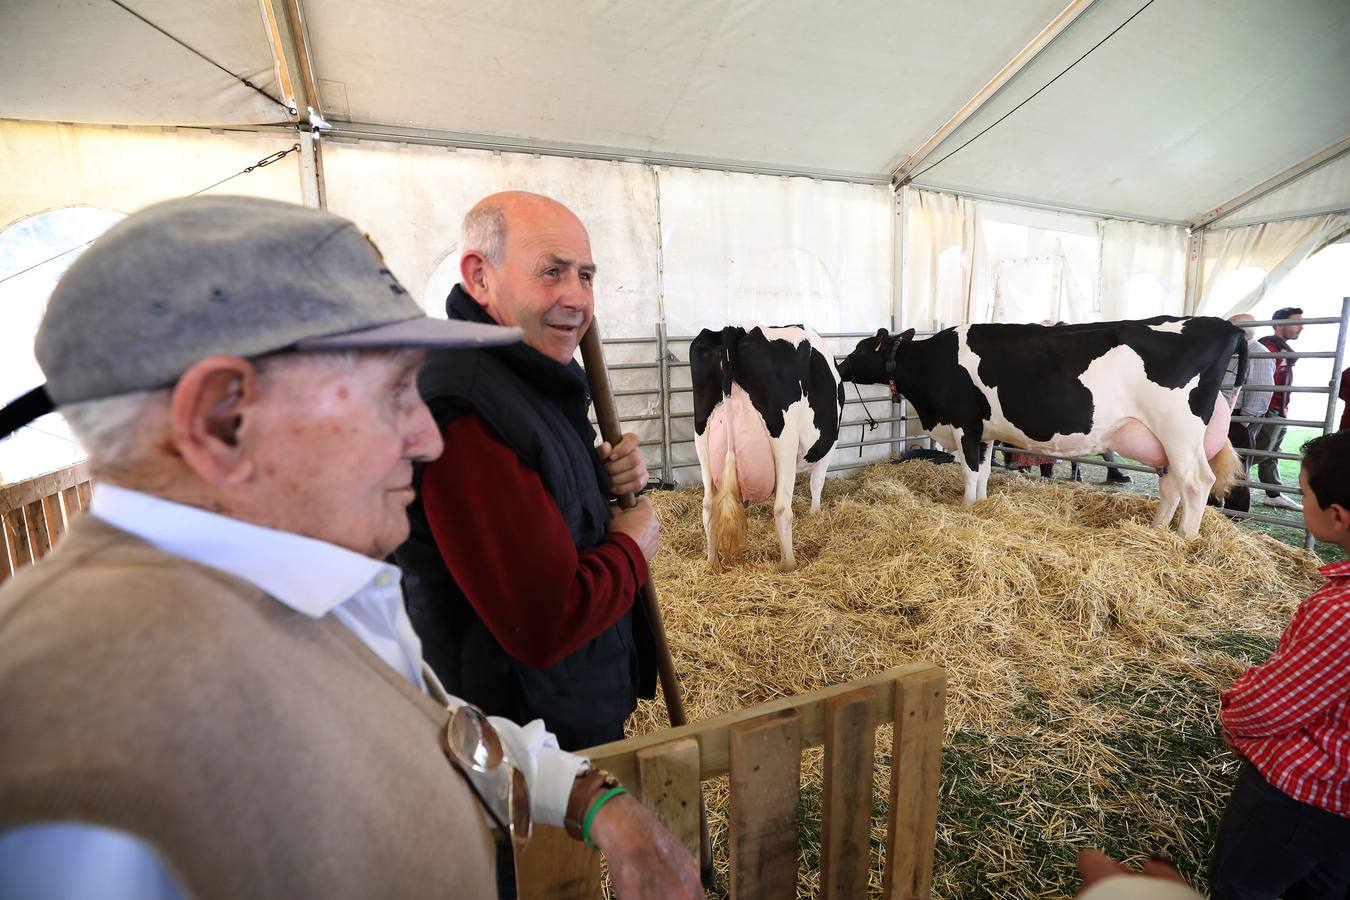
211 688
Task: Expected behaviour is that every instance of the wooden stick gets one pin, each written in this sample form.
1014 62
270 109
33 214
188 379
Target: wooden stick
607 415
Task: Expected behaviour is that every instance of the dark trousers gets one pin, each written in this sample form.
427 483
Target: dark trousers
1270 845
506 871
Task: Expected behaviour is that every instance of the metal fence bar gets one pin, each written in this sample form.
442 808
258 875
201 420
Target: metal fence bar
663 357
1296 524
1291 354
1277 488
1269 454
1276 420
1325 320
875 442
1329 424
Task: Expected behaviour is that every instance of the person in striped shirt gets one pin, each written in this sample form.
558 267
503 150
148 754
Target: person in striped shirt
1286 830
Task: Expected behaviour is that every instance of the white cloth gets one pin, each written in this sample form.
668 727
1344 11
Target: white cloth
311 577
1138 887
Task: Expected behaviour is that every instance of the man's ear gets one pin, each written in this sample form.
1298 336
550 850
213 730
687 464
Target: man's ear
208 415
473 273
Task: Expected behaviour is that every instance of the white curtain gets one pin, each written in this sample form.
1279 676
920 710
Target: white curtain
773 250
1143 270
1241 264
941 249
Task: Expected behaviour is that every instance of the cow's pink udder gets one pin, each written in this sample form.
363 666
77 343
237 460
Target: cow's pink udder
749 438
1133 439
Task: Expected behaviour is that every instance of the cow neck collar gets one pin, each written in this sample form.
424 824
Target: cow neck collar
544 373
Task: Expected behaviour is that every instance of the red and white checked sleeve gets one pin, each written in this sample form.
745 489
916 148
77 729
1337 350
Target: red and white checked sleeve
1307 675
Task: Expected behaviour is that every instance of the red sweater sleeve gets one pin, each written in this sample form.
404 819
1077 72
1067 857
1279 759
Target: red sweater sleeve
509 550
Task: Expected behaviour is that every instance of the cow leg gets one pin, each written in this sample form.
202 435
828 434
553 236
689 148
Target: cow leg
1168 498
985 465
1196 481
818 481
785 478
701 448
969 451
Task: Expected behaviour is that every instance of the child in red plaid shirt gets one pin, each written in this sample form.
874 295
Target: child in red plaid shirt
1286 831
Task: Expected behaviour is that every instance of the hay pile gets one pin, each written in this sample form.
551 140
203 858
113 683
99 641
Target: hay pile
1067 626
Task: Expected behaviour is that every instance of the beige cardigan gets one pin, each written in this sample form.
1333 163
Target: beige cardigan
261 752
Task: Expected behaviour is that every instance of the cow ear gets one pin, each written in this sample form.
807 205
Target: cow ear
907 334
882 334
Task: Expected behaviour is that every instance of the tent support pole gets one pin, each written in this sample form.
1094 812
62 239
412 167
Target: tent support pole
1274 183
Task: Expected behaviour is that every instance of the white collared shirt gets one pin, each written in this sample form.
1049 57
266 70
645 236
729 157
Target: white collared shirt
313 578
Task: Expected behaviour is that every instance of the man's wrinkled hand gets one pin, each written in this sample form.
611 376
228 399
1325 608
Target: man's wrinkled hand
625 465
645 860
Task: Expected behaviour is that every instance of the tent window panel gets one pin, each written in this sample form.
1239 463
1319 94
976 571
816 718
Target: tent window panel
34 253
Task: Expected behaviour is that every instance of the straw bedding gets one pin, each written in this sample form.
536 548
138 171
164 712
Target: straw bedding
1084 652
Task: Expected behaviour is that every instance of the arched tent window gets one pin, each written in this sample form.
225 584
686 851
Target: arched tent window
443 279
34 252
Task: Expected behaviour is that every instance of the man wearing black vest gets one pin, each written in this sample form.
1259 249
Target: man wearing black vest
520 576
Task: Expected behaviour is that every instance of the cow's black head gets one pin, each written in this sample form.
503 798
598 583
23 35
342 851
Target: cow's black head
867 363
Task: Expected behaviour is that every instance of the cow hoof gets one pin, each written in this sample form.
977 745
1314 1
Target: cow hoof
787 565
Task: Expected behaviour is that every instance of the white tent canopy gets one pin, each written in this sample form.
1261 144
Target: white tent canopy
1187 106
851 165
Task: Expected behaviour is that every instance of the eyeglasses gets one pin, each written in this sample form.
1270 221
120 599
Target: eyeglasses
471 741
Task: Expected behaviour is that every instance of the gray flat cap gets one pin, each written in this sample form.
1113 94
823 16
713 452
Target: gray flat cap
186 279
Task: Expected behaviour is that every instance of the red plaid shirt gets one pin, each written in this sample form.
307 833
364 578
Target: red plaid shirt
1290 716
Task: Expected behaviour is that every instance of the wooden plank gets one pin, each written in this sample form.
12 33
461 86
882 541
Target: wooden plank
6 567
915 770
56 523
712 734
39 541
765 787
668 784
85 491
16 539
850 752
555 867
70 499
22 493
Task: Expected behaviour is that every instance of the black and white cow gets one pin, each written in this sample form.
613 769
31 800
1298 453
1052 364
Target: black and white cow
767 405
1148 389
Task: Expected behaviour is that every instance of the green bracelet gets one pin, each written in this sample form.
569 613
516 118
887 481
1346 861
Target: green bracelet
595 808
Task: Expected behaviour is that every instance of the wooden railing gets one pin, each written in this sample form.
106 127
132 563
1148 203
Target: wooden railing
36 512
760 748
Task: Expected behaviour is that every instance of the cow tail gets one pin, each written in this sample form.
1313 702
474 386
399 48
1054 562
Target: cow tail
1227 467
1240 376
727 517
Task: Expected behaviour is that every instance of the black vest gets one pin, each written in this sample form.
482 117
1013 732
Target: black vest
537 407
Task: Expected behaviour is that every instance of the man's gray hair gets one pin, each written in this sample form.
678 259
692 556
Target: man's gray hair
113 429
484 230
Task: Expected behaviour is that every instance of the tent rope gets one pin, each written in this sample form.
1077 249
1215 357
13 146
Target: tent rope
289 109
1029 99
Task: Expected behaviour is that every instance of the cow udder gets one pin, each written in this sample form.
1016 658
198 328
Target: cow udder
749 438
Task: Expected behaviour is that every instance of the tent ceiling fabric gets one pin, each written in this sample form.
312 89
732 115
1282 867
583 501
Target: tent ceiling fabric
92 61
789 83
1187 106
